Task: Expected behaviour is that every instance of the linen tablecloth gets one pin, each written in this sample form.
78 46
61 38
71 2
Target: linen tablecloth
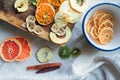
92 64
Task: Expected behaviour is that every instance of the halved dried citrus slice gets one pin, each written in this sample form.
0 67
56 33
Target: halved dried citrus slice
106 35
89 25
57 2
105 23
26 49
42 1
10 49
93 32
45 14
104 17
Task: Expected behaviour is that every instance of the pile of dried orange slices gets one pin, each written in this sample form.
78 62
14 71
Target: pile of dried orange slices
100 27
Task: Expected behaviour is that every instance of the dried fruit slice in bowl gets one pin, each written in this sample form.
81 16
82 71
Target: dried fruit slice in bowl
10 49
106 35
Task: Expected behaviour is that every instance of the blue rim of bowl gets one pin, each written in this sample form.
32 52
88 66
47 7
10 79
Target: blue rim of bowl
83 23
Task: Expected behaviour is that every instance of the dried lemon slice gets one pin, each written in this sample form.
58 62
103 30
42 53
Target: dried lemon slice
104 17
105 23
97 18
106 35
97 12
90 24
93 32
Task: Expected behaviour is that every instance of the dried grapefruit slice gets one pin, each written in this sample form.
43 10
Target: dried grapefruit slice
106 35
10 49
45 14
57 2
26 49
42 1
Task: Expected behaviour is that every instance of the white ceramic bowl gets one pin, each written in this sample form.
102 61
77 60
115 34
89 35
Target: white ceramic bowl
115 11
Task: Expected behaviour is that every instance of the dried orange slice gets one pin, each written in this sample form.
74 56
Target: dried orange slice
106 35
89 25
45 14
104 17
42 1
105 23
57 2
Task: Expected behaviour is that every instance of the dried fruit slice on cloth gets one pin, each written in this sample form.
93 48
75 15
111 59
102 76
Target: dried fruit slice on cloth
44 54
10 49
26 49
45 14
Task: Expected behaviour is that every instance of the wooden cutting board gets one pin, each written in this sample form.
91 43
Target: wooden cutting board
10 15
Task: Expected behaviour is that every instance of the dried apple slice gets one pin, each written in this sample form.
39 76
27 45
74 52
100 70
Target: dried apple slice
56 26
31 18
79 5
61 18
21 5
73 15
61 32
54 38
38 30
45 54
30 26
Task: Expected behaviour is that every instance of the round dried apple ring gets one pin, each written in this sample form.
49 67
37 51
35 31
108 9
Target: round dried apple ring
104 17
45 14
89 25
105 23
106 35
57 2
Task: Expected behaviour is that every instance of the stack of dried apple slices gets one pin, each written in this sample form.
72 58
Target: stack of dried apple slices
70 11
